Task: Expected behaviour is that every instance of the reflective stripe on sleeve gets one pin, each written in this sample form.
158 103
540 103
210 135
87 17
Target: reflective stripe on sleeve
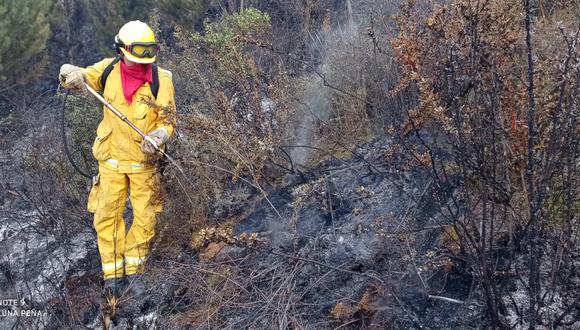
112 162
115 163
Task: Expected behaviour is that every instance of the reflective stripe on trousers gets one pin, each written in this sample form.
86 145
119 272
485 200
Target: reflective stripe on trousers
112 266
134 264
135 260
113 243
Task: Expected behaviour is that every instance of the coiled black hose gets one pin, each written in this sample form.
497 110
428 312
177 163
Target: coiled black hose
64 140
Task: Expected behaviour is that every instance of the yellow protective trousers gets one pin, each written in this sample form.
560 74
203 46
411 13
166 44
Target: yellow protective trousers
124 252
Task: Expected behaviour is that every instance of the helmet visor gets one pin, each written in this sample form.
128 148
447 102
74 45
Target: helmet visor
143 50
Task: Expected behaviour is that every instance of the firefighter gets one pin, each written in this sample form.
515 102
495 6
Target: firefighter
144 93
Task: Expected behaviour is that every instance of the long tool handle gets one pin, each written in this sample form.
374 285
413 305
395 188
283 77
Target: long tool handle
124 118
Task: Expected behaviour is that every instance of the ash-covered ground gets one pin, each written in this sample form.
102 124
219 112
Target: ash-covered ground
348 244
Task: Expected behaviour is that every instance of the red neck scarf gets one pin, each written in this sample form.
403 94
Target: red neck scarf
132 77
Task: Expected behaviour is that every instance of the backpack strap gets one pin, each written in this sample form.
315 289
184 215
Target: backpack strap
107 71
154 84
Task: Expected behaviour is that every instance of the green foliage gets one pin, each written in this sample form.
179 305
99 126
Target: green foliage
83 115
108 16
249 22
233 126
224 42
184 13
242 84
28 25
103 19
24 30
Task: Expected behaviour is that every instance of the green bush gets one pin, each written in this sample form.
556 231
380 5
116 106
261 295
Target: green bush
24 30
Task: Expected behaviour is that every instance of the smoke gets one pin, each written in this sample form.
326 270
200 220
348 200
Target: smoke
314 108
315 99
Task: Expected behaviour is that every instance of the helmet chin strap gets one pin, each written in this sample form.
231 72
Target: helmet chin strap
117 45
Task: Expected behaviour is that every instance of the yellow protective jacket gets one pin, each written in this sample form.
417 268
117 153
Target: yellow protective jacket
115 139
